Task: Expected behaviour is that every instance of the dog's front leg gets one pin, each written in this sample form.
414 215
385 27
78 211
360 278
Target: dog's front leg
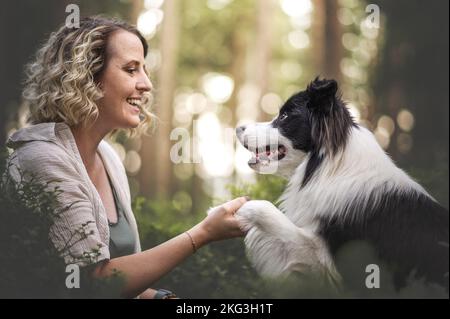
275 246
266 217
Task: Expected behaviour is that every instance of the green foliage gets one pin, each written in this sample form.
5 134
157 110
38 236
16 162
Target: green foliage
219 270
31 266
207 37
26 259
267 188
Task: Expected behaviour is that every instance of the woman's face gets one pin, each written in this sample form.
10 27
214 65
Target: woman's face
123 82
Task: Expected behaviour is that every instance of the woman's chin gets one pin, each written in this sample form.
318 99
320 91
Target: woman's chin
132 122
135 124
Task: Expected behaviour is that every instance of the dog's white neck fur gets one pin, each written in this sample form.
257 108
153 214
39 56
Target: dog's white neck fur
363 169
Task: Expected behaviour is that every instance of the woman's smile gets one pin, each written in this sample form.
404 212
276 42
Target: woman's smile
135 104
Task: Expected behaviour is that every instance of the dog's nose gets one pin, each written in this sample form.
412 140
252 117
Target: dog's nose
240 130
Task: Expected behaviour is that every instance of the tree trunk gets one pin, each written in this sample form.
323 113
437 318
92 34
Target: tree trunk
22 31
327 35
263 51
413 74
155 154
135 10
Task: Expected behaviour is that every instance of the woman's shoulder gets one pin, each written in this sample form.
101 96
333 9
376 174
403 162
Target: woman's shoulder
37 142
38 150
44 132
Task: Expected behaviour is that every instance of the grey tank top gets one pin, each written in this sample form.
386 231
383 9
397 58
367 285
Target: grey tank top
121 240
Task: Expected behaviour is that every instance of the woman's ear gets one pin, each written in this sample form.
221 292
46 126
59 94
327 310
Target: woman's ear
322 94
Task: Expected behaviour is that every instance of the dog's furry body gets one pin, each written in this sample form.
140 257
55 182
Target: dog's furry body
342 188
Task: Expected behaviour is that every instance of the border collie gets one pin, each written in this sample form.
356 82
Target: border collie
342 188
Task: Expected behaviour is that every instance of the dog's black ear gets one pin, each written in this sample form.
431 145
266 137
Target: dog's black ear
322 94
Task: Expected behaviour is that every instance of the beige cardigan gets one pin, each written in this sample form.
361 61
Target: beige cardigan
48 151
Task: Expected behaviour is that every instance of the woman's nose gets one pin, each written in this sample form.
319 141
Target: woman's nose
144 84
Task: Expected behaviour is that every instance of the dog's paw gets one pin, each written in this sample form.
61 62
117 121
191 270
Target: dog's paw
254 212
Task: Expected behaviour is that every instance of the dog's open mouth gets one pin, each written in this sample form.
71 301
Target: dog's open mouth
265 154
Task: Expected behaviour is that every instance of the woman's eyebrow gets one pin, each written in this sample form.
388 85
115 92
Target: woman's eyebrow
132 62
137 63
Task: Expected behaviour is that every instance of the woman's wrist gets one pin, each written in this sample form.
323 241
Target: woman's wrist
198 236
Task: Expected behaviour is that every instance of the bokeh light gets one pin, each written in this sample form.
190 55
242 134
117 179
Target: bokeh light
383 137
299 39
217 4
132 162
296 8
302 23
149 20
368 32
218 87
387 123
349 41
405 120
196 103
345 16
215 147
182 201
271 103
183 171
153 4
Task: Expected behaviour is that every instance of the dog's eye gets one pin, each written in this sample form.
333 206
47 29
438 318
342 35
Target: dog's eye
283 116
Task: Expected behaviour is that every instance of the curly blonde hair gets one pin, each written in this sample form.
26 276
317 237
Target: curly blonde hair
61 84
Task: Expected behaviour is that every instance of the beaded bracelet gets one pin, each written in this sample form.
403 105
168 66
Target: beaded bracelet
194 246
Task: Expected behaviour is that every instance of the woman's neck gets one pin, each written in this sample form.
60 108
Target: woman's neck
87 139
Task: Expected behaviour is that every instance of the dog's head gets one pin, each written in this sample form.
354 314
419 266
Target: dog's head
313 123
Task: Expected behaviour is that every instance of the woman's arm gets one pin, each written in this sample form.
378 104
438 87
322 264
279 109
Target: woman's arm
142 269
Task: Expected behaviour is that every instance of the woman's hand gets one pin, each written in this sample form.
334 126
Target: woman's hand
220 223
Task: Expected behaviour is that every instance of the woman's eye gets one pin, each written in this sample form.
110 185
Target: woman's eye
131 70
283 116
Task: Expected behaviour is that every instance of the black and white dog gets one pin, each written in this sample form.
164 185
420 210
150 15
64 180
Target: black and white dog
342 188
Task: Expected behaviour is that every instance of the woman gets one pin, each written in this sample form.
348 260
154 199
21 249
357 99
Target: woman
85 84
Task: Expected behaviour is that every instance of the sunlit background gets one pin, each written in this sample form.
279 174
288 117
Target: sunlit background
217 64
250 57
